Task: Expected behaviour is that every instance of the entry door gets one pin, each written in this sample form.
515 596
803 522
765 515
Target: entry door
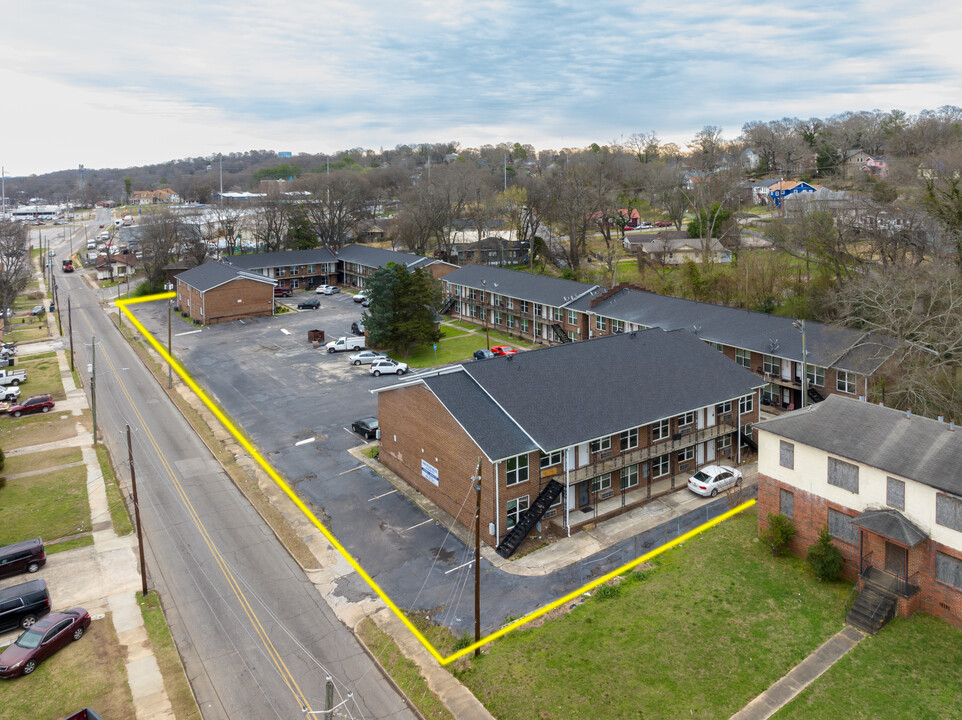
896 559
584 493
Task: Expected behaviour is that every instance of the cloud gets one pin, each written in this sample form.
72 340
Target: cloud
312 76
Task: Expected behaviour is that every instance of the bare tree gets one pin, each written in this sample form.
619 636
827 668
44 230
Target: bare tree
337 204
228 221
269 224
14 262
163 234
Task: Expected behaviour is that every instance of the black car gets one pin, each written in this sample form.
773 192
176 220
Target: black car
483 354
22 605
312 304
27 556
366 427
357 328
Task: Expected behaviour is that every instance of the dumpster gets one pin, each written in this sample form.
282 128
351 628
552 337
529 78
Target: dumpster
315 336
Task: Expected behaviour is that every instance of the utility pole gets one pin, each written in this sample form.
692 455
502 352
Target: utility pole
328 696
140 528
170 371
800 325
93 383
477 562
70 330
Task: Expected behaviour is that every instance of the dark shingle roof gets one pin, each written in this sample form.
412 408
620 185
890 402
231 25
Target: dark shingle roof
376 257
256 261
914 447
573 393
891 524
211 274
524 286
480 417
828 345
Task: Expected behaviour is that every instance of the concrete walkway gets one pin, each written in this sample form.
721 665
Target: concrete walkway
801 676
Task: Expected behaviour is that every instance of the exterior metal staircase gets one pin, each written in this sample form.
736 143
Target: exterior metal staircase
560 333
527 521
815 395
448 304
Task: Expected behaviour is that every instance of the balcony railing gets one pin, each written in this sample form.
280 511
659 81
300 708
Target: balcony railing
631 457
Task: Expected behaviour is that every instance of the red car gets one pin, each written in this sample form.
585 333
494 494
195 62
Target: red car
504 350
662 223
281 291
43 639
38 403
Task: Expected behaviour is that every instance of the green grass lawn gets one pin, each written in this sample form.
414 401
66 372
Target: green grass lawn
86 673
716 621
35 429
52 505
175 681
912 669
40 461
43 376
118 510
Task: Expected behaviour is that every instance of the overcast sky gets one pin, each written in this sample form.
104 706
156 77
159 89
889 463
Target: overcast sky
117 83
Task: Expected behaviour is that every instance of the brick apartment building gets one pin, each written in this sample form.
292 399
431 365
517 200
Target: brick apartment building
216 292
356 263
551 311
889 487
572 434
296 269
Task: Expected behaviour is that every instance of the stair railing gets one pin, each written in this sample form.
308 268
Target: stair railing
864 567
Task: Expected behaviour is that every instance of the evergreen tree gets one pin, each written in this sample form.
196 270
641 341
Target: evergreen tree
403 306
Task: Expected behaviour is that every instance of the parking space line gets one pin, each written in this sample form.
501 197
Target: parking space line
419 524
188 332
285 331
469 562
305 442
353 469
378 497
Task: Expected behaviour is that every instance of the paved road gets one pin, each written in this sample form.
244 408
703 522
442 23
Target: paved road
256 637
270 380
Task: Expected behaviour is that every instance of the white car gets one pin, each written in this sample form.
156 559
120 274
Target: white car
9 394
712 478
366 357
360 297
388 367
327 289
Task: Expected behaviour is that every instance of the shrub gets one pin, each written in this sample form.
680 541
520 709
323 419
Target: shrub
608 592
464 640
779 533
826 559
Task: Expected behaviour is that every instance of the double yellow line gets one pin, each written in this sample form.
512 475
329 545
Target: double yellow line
235 587
282 484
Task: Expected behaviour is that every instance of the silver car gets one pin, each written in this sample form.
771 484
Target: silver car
366 357
386 366
712 478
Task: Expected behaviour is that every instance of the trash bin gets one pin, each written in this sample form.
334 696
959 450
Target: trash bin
315 336
51 307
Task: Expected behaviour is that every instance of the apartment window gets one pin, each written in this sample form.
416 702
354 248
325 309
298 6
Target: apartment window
687 454
572 317
602 482
517 470
660 430
281 272
724 442
473 293
746 404
617 326
895 493
516 508
771 394
844 475
660 466
600 323
687 418
629 439
557 314
786 454
816 375
948 511
310 269
476 312
497 300
523 324
510 321
786 503
538 309
523 306
948 570
551 459
725 407
771 365
718 346
294 269
601 444
498 318
295 284
509 303
840 526
629 477
845 381
743 357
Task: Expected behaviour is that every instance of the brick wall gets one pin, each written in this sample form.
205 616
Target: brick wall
241 298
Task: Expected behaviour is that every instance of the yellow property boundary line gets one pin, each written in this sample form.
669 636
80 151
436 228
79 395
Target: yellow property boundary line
282 484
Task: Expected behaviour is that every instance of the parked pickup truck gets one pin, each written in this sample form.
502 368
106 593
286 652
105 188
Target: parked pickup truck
9 394
15 377
345 343
68 266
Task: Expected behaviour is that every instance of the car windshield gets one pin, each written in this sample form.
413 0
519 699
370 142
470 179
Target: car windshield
30 639
701 477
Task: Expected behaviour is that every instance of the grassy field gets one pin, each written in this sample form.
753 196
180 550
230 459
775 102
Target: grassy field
41 461
175 681
711 625
86 673
43 376
35 429
458 344
118 510
52 505
404 672
913 668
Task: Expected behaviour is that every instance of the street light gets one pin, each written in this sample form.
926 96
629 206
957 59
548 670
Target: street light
800 325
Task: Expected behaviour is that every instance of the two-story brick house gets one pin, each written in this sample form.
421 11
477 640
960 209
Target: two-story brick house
888 484
216 292
296 269
572 433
